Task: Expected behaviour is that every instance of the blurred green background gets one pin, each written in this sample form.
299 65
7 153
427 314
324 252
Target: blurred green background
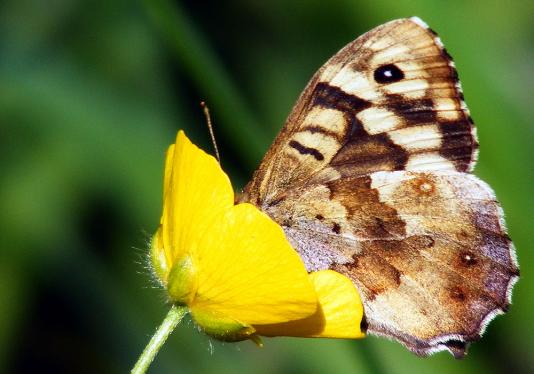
92 93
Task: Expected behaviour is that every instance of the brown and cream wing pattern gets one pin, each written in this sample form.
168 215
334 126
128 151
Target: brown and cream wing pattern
449 267
428 251
390 100
370 177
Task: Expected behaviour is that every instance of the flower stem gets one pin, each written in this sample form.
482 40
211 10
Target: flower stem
172 319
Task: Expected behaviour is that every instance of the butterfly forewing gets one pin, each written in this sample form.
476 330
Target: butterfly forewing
390 100
369 177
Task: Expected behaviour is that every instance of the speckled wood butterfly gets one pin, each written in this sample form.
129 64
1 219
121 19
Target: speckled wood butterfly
371 177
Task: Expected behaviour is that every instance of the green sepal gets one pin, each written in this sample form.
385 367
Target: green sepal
182 282
223 328
158 259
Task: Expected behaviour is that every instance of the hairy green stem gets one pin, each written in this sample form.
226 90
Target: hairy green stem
172 319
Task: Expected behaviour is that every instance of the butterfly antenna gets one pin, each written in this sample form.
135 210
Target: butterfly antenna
210 128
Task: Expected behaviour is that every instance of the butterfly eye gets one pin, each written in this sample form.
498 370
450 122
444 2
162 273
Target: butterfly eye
388 74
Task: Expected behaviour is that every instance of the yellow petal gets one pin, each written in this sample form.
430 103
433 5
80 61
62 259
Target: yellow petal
196 190
339 315
248 271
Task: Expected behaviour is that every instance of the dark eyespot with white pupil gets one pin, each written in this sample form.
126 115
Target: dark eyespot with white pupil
389 73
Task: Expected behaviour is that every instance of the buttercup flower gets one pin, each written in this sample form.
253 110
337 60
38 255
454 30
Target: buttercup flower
232 266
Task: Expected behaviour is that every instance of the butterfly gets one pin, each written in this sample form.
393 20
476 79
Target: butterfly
371 177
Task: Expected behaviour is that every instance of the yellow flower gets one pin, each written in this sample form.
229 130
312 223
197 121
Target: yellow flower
232 266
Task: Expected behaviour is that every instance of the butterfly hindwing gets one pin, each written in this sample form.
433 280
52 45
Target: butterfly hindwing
445 266
428 251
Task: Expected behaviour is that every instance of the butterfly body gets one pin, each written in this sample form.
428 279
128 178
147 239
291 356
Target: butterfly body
370 177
